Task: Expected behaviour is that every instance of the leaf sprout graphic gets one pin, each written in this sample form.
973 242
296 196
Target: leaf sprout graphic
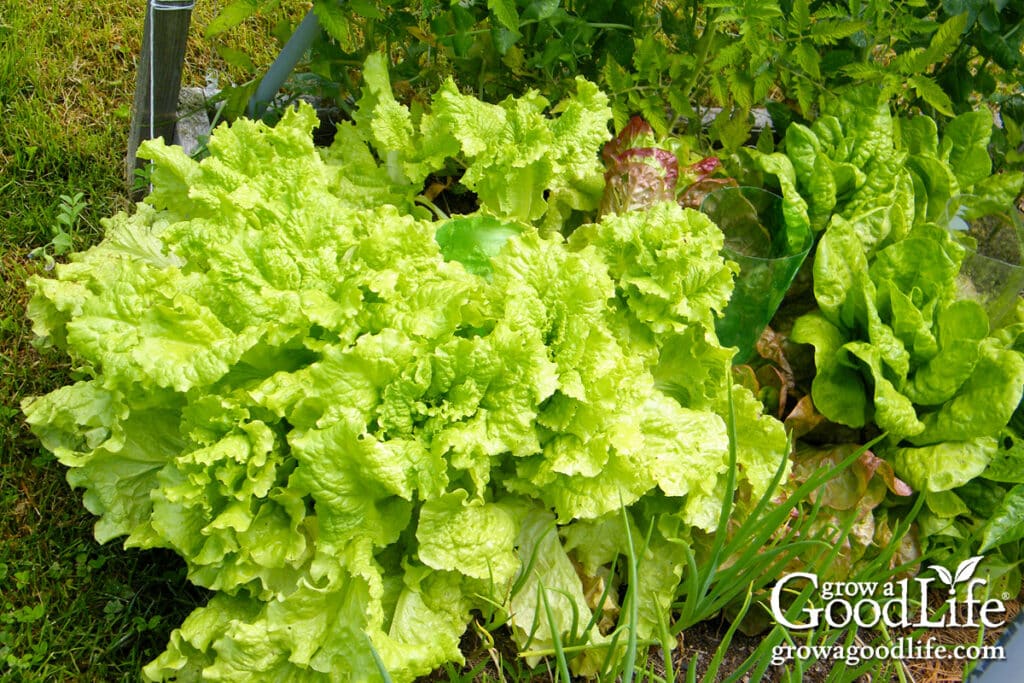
964 571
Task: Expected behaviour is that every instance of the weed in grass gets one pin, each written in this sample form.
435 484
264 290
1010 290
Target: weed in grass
64 230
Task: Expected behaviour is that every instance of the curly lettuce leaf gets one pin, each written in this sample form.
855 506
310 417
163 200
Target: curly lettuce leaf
473 538
548 581
523 166
666 263
115 445
340 416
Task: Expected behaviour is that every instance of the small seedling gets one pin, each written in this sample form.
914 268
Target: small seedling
68 215
141 179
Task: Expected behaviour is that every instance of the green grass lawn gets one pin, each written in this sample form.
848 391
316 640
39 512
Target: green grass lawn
69 608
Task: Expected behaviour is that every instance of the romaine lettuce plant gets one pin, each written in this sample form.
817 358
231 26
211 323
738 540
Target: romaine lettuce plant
358 420
897 346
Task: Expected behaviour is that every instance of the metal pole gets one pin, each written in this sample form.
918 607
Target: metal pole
304 35
158 80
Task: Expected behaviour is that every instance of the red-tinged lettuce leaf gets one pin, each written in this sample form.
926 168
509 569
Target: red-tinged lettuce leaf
771 378
746 377
636 133
853 498
639 178
876 466
693 196
638 174
770 347
778 373
871 532
803 419
774 391
664 160
703 168
908 545
767 383
813 428
855 483
698 183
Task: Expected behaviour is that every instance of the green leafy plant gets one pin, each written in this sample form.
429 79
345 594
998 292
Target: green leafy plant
992 36
355 438
496 48
920 57
68 216
1008 140
902 49
141 179
897 345
671 62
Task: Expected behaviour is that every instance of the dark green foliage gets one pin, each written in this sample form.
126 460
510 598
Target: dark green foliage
670 62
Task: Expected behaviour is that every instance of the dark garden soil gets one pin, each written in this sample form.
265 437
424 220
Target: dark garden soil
698 645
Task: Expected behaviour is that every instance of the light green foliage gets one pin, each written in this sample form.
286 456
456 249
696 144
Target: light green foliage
551 579
475 538
927 468
521 164
857 164
736 54
353 422
895 331
663 261
849 168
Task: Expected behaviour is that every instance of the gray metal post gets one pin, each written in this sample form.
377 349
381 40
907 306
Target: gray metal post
158 80
291 53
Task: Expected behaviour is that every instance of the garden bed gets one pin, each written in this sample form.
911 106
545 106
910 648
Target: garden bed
469 373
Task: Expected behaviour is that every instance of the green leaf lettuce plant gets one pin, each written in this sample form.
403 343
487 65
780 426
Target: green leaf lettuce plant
358 421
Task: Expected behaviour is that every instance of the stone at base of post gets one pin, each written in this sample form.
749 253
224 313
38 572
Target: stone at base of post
193 126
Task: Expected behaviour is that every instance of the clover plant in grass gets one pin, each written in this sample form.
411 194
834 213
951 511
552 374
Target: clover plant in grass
359 421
